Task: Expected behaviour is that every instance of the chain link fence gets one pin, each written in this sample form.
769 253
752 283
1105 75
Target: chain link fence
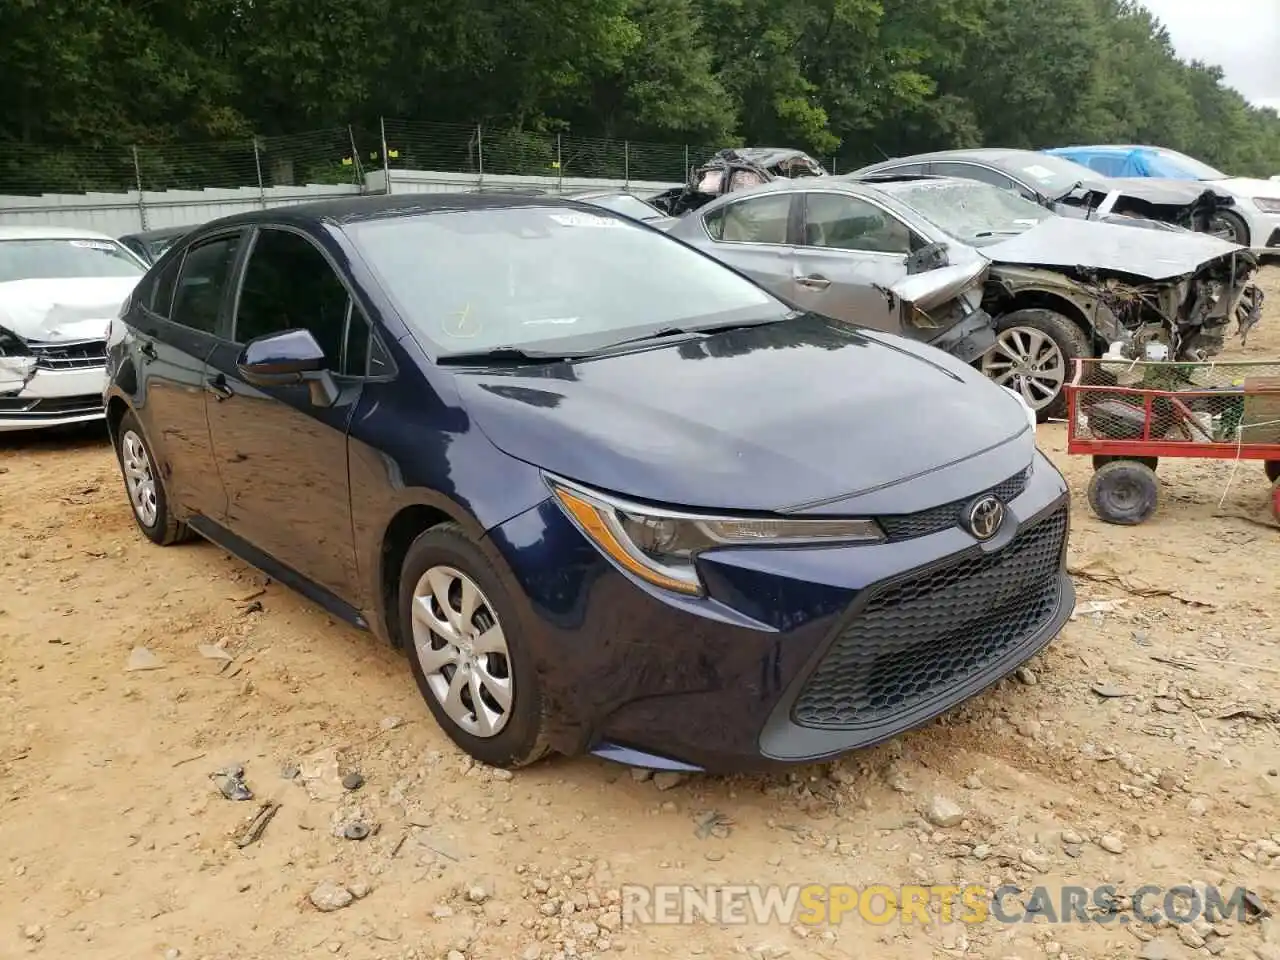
341 155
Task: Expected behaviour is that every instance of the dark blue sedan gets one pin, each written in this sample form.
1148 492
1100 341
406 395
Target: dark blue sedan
607 493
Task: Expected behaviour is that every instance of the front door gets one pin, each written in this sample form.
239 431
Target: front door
175 332
282 458
852 251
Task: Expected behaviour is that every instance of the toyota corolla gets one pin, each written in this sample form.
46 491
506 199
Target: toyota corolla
607 493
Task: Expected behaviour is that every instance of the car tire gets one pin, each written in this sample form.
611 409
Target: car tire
1047 340
143 484
1225 221
1124 492
470 709
1273 470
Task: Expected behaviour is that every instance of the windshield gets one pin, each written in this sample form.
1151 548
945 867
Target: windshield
547 278
57 259
626 205
968 209
1052 176
1178 166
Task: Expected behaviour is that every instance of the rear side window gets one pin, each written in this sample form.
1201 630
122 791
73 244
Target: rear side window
970 171
161 300
202 283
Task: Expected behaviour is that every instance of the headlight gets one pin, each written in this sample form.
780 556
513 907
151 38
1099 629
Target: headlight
659 546
1267 204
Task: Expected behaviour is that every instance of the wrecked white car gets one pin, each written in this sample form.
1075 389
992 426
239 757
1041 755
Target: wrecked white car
973 269
59 291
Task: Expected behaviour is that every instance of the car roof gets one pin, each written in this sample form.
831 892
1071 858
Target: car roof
13 232
350 210
991 154
160 233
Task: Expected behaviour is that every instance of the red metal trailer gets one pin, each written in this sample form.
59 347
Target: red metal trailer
1128 414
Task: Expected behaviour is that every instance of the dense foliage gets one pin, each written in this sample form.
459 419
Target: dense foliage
861 78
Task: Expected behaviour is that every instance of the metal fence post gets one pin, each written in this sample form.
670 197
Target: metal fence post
257 163
386 158
357 168
137 179
559 167
480 151
626 165
685 175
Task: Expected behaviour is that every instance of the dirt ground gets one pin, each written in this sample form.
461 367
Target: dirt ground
115 842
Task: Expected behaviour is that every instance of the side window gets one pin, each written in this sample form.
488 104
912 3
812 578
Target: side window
288 284
840 222
1108 166
903 170
969 171
202 281
741 179
161 300
757 220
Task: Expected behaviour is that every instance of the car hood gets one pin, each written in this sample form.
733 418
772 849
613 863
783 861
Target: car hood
1250 187
1167 192
778 418
77 308
1068 243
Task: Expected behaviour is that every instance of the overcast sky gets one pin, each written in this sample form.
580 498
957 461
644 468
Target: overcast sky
1241 36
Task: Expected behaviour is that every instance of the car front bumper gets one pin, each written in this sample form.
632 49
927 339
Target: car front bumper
795 655
54 398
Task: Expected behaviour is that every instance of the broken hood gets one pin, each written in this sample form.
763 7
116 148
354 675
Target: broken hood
1250 187
1067 243
77 308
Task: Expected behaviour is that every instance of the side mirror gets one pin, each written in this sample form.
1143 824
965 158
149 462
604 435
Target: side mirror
285 359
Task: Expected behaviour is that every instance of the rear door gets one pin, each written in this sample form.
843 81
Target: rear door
175 331
852 248
753 235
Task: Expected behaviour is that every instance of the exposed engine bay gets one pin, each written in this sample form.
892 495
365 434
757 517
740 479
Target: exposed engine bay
735 169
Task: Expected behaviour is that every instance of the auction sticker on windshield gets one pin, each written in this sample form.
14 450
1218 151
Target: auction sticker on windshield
93 245
585 220
1039 172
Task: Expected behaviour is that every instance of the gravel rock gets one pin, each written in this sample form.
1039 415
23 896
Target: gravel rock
641 774
477 893
140 658
943 812
666 779
1111 843
329 896
1158 949
1025 675
1036 860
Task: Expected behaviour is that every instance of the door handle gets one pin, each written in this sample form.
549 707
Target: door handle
814 282
218 387
148 350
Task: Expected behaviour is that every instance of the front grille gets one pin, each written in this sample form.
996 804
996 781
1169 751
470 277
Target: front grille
921 637
69 356
908 526
49 408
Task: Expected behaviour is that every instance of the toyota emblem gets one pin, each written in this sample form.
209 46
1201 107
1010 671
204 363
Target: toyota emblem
985 516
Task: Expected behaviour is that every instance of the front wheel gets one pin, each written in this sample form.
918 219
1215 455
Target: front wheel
1033 354
467 648
1230 227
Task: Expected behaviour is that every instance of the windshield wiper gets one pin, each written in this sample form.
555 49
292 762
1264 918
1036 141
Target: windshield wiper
695 330
1068 192
508 355
999 233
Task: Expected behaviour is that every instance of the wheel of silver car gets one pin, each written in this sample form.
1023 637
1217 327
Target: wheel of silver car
1029 361
139 479
462 650
1229 226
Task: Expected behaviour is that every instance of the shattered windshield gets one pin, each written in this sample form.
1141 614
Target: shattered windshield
547 278
968 209
1178 166
57 259
1052 176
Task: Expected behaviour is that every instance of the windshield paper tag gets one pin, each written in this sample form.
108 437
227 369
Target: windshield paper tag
585 220
93 245
1039 172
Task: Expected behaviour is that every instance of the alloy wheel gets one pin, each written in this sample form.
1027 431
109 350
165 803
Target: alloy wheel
1029 361
462 650
139 478
1226 228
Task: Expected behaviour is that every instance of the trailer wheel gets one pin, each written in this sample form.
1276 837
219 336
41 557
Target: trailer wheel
1100 461
1124 492
1275 499
1273 470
